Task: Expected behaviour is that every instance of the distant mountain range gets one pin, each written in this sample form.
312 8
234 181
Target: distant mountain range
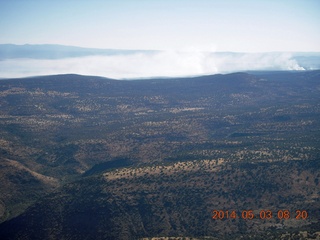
47 59
53 51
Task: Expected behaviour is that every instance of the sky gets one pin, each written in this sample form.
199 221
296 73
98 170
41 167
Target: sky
193 37
170 25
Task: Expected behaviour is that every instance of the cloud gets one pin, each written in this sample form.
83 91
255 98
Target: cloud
256 61
156 64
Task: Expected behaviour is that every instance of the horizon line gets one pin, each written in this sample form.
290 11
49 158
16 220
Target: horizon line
158 50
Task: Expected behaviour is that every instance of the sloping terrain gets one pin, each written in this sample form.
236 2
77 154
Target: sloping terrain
177 200
68 131
20 187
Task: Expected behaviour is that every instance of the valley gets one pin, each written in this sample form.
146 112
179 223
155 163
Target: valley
118 159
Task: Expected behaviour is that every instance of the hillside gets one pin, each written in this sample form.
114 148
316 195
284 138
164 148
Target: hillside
164 153
177 200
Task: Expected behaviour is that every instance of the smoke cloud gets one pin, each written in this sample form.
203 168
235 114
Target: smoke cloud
155 64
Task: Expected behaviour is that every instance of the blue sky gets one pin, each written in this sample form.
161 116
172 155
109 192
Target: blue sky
206 25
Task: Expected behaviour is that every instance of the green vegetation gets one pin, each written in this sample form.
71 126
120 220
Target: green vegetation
161 153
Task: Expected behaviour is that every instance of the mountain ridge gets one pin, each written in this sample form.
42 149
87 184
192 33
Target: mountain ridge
102 136
57 51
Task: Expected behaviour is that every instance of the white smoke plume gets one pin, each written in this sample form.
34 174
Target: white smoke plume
155 64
